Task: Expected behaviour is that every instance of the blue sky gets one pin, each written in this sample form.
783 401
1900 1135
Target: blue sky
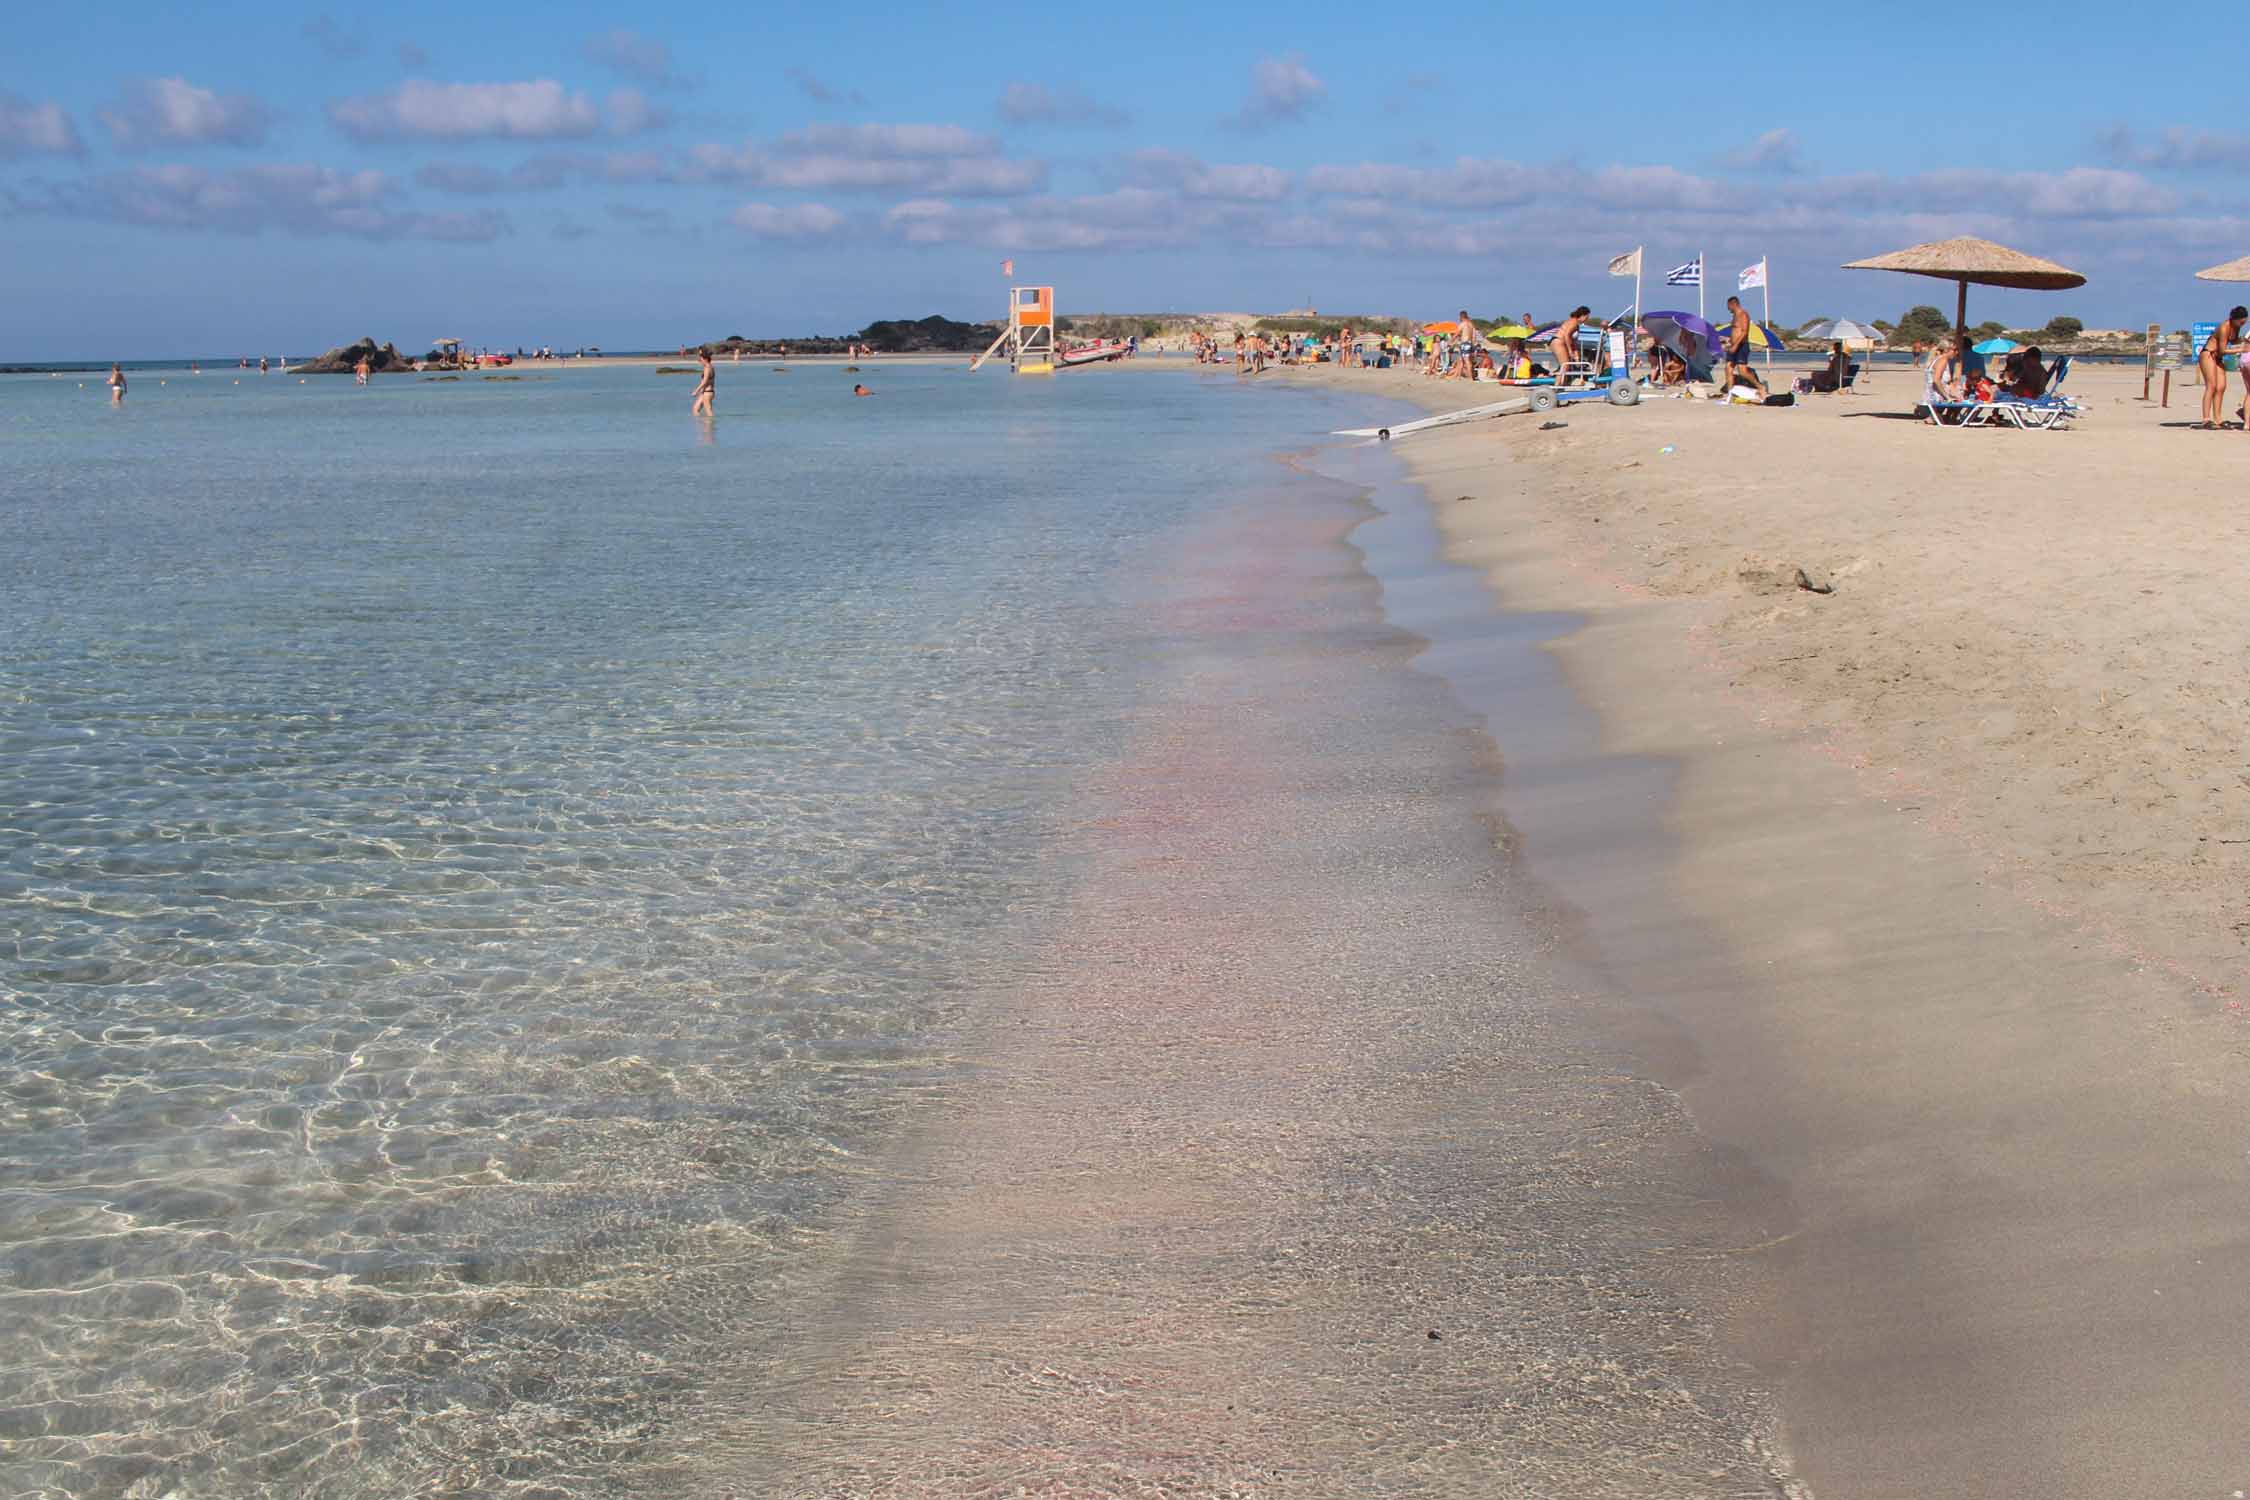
270 178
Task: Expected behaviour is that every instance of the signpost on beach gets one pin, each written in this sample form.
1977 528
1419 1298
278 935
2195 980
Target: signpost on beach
2148 357
2172 353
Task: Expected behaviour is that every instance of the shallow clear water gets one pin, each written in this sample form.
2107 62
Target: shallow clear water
477 861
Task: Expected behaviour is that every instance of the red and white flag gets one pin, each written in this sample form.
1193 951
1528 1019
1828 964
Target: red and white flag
1007 268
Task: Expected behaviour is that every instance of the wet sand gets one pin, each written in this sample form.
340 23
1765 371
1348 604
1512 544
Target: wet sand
1305 1160
1998 1087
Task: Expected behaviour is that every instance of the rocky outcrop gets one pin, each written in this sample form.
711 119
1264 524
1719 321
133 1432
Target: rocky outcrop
343 359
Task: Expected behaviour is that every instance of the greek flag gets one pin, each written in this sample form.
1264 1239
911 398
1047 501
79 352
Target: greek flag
1690 274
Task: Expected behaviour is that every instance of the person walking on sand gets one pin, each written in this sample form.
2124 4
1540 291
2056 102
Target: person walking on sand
706 385
2211 363
116 385
1738 349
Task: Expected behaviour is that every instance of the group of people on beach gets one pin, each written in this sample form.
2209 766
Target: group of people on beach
1463 351
1957 372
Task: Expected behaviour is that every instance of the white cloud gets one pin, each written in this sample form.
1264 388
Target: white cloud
1281 89
295 198
1776 151
787 221
630 113
888 142
2175 147
547 172
1129 218
1038 104
1471 182
154 112
919 159
539 109
1652 188
28 129
632 55
1243 182
820 91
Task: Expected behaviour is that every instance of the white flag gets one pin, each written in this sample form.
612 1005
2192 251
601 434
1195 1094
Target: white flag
1690 274
1007 268
1626 265
1751 276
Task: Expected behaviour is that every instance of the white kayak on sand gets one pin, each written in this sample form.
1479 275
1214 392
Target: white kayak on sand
1508 408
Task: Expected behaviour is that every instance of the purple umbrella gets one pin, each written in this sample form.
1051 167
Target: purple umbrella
1686 335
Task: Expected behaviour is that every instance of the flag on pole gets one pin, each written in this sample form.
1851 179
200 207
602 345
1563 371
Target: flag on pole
1690 274
1751 276
1626 265
1007 268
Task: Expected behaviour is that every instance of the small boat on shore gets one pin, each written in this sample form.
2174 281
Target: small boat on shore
1097 353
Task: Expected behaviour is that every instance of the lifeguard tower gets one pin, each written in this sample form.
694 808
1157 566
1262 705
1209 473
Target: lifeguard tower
1029 337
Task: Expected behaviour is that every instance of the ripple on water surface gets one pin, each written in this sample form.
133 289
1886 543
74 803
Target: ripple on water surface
477 864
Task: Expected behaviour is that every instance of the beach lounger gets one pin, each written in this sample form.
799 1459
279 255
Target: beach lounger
1948 413
2044 413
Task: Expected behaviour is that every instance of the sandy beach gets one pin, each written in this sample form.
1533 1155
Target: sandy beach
1952 911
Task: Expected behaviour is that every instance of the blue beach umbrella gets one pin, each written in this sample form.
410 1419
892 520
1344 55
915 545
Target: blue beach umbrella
1997 346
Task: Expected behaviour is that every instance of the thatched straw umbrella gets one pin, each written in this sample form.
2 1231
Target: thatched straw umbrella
2233 270
1965 260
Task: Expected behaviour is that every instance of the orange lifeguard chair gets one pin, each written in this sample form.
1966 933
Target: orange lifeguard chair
1029 337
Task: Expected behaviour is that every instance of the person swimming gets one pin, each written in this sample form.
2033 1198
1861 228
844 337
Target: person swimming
861 390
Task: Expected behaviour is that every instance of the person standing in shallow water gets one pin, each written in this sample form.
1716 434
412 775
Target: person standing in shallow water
116 385
707 386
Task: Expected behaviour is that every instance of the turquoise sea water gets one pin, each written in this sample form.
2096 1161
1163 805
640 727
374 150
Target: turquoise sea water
480 860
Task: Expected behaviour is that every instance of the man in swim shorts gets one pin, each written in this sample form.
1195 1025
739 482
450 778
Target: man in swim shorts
1738 349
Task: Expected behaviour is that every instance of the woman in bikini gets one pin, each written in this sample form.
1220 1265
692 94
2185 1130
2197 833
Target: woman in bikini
706 386
2226 339
1565 342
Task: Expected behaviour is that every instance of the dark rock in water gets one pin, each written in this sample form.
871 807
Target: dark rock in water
381 358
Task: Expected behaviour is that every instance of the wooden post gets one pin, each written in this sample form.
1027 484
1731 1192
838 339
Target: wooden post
2148 358
1961 313
2167 388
